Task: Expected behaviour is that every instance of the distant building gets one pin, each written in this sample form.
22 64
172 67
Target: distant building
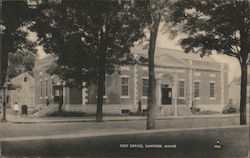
21 90
182 81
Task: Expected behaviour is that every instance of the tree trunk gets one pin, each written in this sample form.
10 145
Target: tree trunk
4 105
151 75
243 94
100 89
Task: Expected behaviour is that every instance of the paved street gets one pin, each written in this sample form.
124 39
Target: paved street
193 137
34 129
192 143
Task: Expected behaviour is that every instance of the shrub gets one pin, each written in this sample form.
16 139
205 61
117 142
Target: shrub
67 114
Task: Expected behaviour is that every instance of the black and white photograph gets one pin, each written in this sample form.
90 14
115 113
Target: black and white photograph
124 78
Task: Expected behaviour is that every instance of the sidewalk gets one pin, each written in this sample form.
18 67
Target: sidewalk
31 119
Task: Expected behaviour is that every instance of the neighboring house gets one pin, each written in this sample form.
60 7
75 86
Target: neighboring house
182 81
234 89
22 90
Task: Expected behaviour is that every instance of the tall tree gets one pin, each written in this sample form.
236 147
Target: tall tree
89 38
15 16
156 9
222 26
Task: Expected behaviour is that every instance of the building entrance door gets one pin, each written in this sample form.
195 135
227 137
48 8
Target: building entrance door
166 95
58 93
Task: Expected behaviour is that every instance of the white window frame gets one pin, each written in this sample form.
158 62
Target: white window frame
51 87
125 77
197 81
212 98
181 97
142 96
46 87
41 88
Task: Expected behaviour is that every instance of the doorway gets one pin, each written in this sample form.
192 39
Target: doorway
58 93
166 95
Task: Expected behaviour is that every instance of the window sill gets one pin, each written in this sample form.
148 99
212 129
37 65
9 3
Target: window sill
212 98
144 97
104 97
181 98
124 97
197 98
40 97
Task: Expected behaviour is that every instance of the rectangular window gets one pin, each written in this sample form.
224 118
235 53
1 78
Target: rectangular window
196 89
104 89
41 88
211 87
52 87
46 88
181 88
144 87
124 86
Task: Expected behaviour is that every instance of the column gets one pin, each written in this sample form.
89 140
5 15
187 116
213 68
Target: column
158 92
175 93
64 93
135 87
222 84
190 86
84 93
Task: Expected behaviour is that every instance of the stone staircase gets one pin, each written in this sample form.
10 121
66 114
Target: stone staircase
44 110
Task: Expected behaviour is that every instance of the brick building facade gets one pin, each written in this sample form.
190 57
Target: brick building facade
49 88
182 81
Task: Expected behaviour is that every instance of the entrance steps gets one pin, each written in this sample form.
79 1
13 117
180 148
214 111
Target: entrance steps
44 110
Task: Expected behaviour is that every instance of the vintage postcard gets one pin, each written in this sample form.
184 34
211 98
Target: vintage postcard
125 78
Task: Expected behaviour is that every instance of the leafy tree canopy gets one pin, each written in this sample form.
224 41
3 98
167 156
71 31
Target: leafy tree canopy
213 25
15 16
81 33
222 26
20 62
